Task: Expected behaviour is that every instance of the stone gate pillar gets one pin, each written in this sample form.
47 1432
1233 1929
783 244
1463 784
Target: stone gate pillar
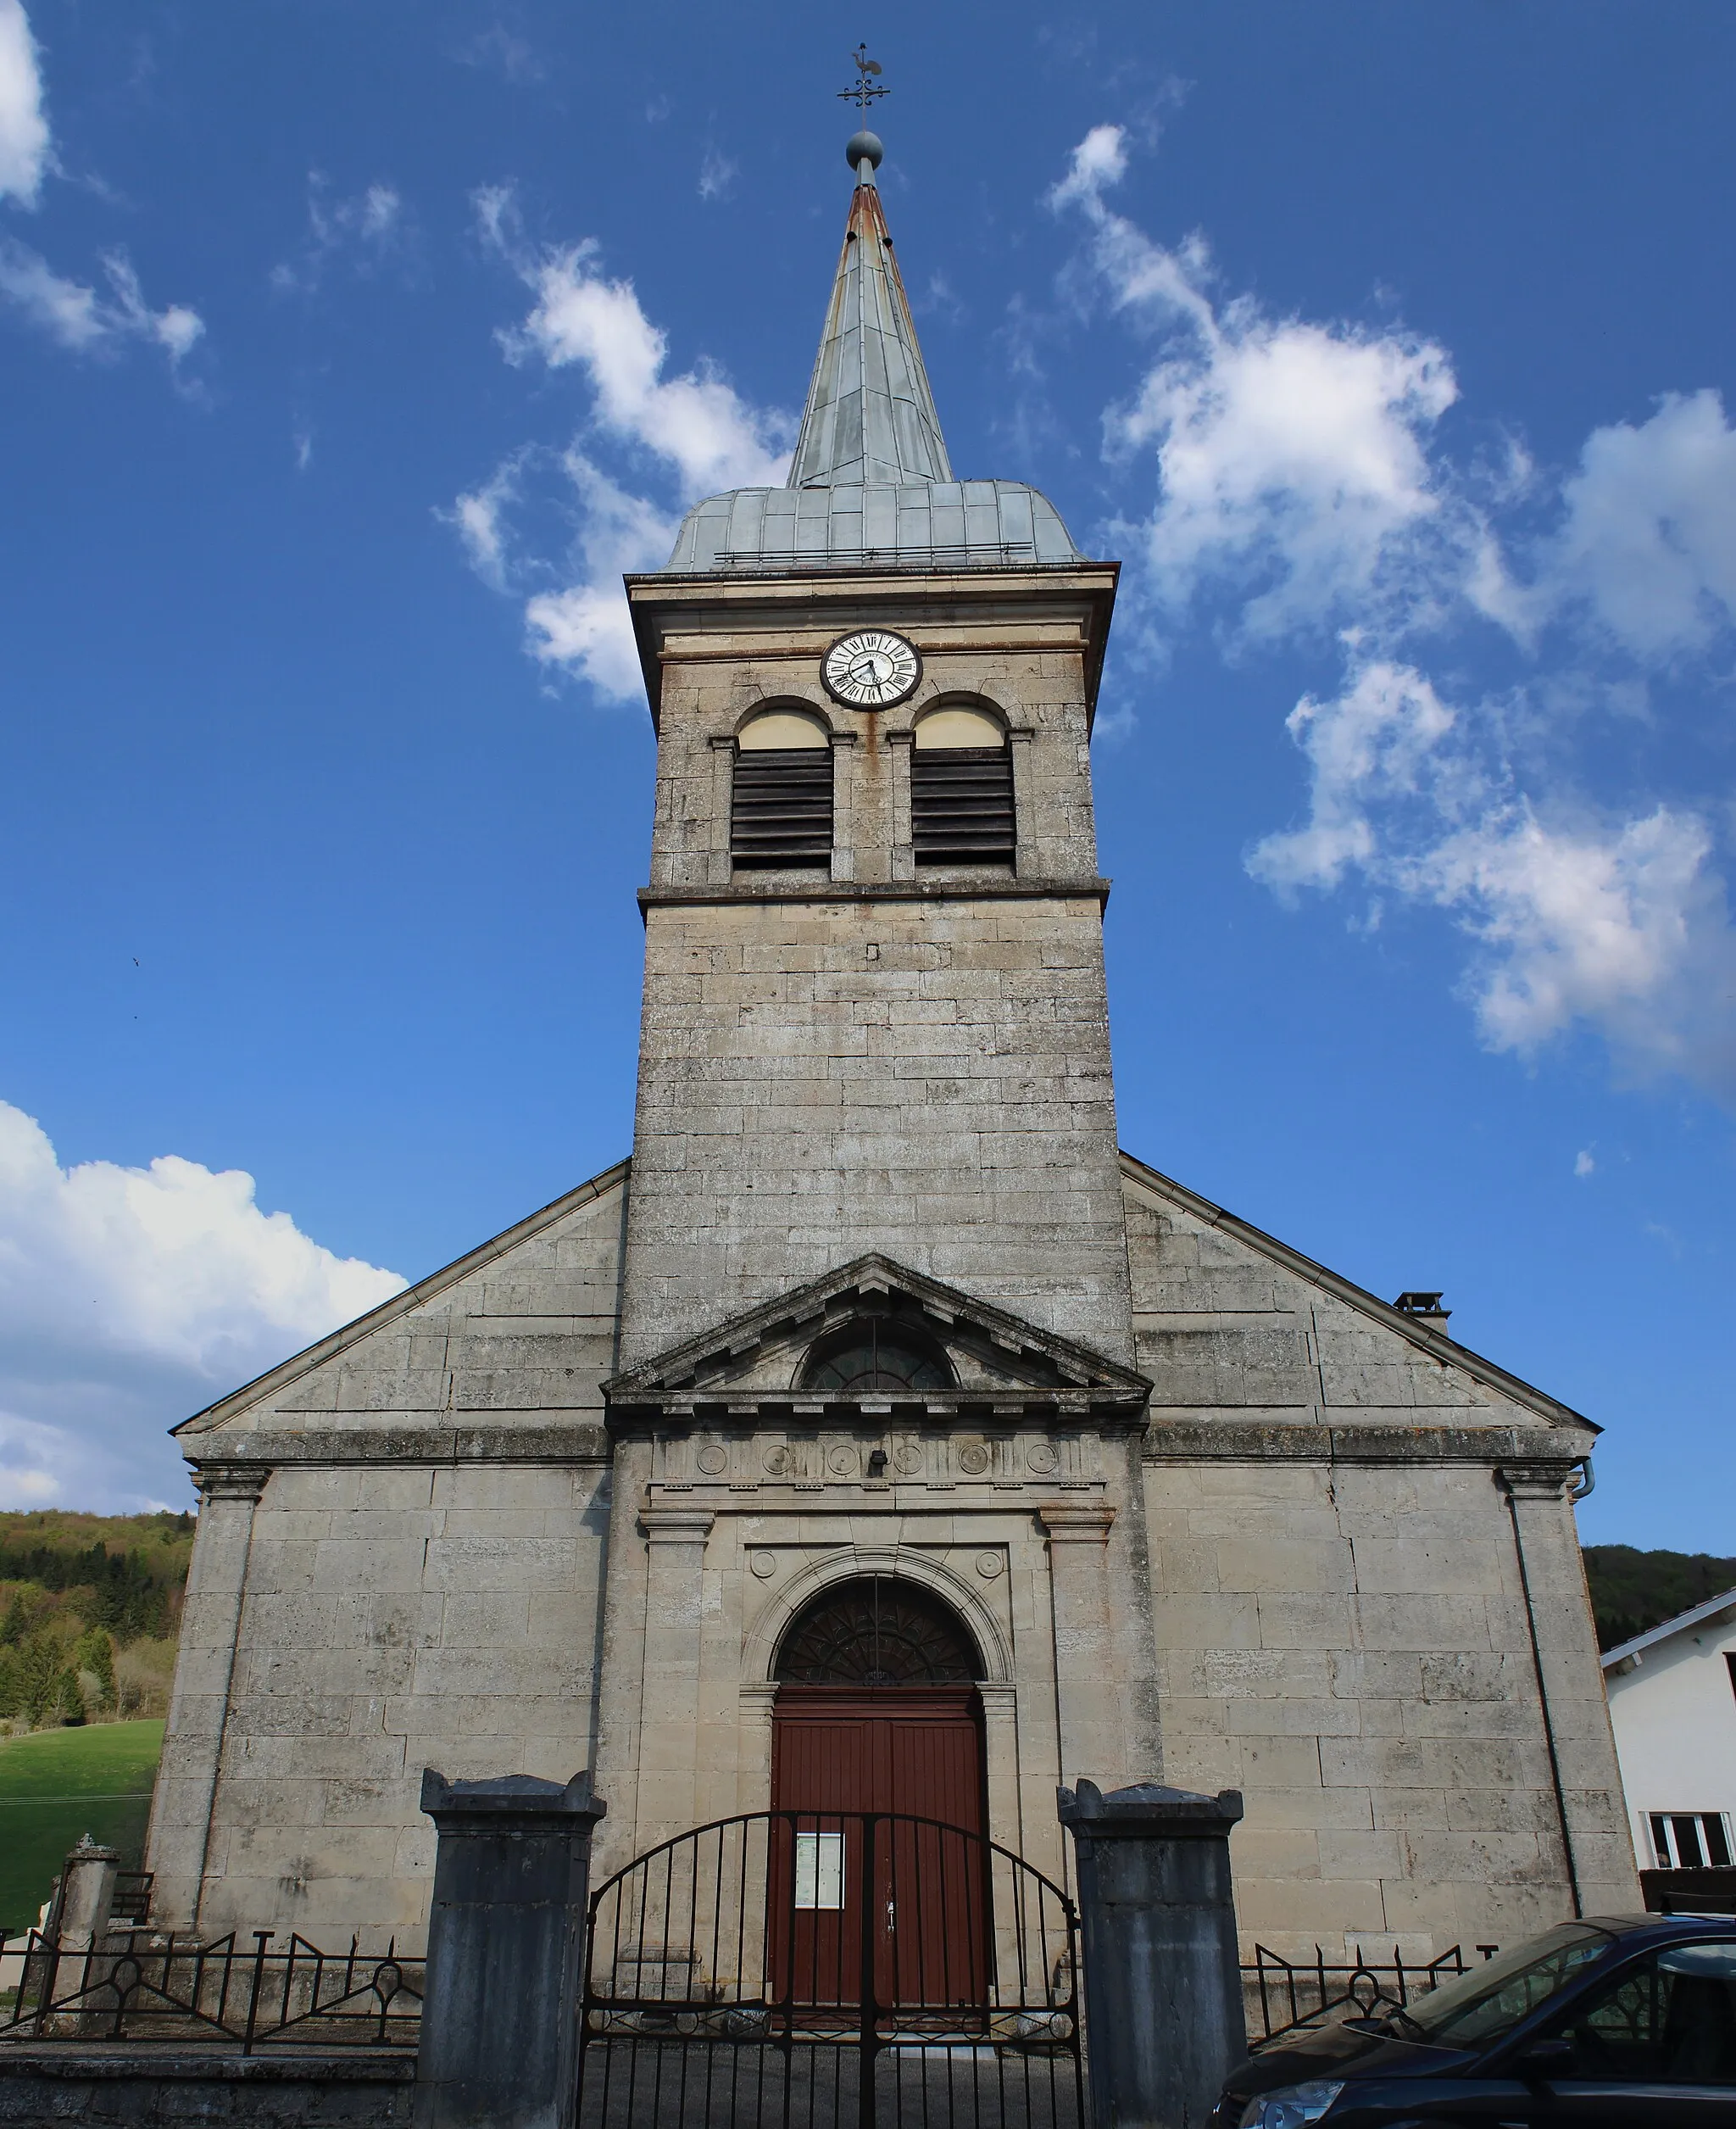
1164 2023
506 1947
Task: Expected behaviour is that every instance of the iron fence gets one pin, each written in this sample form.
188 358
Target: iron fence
139 1987
848 1970
1283 1994
131 1908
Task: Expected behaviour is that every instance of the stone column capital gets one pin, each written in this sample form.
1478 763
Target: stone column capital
230 1481
1076 1522
1546 1479
677 1526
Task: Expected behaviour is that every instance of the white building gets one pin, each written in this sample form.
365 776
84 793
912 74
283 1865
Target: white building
1672 1704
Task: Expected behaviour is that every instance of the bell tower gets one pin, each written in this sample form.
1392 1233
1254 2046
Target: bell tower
875 1016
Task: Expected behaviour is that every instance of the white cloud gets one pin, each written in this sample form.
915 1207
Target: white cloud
1650 535
717 175
689 434
370 227
1099 161
84 320
63 310
129 1298
585 628
1583 1164
25 147
695 422
1621 924
480 520
1292 458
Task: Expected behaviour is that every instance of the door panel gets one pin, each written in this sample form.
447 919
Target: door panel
916 1750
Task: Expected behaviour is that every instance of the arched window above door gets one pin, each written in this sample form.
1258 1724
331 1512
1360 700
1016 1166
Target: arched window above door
874 1352
877 1630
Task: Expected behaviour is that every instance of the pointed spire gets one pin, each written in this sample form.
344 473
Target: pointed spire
870 415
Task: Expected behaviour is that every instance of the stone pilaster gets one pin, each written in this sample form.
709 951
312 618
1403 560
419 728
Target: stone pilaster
1092 1698
179 1843
670 1726
1582 1765
620 1678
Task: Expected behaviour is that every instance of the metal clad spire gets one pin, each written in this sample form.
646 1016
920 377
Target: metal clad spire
870 416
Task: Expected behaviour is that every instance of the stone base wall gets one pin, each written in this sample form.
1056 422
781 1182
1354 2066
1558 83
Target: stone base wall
45 2088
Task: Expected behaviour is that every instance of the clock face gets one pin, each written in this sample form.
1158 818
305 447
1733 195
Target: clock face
870 669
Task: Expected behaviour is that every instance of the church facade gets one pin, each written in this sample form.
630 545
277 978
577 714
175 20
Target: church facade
882 1434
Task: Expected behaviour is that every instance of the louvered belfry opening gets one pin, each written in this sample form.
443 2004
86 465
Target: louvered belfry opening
779 811
961 790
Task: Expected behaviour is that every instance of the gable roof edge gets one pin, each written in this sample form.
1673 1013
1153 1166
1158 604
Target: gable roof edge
1622 1658
424 1290
1438 1346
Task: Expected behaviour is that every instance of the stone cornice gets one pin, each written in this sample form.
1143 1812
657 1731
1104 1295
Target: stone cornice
916 598
1550 1449
1111 1411
570 1444
986 888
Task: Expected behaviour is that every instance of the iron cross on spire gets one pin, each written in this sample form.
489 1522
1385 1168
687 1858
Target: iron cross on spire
865 91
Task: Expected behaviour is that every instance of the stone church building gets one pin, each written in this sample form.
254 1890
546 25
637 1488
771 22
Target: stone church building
882 1434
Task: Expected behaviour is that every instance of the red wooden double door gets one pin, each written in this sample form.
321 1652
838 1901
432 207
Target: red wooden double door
857 1898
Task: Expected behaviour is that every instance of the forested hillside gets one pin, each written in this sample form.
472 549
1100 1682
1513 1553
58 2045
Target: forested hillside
1632 1592
90 1610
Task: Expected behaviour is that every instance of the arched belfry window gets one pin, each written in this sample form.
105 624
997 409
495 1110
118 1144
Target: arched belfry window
874 1353
961 788
877 1630
779 810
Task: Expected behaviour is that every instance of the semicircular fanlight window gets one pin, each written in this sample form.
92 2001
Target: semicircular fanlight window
870 1355
876 1631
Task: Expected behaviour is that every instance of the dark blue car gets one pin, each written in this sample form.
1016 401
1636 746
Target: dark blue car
1599 2024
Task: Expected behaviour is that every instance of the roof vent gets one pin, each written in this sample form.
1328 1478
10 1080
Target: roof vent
1425 1307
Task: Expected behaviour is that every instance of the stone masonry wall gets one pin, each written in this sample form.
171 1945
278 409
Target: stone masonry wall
395 1619
821 1080
825 1071
1342 1627
1349 1646
420 1584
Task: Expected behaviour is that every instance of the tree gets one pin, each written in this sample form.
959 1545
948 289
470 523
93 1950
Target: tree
93 1659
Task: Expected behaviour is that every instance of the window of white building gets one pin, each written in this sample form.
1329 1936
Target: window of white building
1689 1840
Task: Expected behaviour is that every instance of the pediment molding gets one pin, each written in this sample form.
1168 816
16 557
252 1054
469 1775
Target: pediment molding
744 1369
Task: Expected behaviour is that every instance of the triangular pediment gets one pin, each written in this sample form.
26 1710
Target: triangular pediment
759 1361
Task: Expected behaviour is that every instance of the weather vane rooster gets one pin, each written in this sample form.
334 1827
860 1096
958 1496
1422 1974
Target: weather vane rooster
866 91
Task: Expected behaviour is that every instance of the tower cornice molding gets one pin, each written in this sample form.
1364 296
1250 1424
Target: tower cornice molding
662 605
985 890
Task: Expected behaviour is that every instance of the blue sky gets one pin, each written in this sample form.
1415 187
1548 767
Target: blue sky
347 356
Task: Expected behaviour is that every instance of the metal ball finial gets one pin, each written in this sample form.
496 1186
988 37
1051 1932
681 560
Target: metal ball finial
864 147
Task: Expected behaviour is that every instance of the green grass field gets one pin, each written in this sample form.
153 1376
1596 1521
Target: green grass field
59 1784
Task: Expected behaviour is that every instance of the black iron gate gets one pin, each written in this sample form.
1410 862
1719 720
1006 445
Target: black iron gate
830 1970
